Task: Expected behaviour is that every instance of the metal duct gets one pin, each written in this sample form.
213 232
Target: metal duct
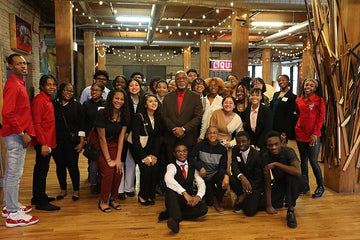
157 13
275 5
128 42
285 33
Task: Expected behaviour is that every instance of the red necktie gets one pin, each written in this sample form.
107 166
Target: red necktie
183 171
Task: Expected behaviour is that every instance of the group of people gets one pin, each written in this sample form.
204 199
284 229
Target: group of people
188 131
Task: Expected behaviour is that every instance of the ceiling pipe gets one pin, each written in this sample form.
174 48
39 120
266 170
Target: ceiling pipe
285 33
157 12
116 41
274 5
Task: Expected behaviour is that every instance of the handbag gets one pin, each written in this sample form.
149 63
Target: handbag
92 149
143 139
73 135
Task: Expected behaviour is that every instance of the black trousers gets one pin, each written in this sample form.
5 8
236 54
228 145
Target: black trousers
148 180
66 157
41 169
179 210
213 188
287 188
251 202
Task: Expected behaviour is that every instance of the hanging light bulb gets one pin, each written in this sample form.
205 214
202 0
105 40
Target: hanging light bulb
100 2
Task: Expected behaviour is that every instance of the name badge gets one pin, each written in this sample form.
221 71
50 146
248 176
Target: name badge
238 159
284 99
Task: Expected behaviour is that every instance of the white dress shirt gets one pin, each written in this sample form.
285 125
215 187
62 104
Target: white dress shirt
244 156
86 94
175 186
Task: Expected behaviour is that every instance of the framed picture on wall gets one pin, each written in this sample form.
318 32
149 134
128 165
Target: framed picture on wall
20 35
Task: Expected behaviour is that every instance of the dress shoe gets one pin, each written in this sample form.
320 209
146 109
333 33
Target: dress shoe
173 225
305 191
75 198
291 219
318 192
122 196
130 194
142 203
151 202
164 215
47 207
34 202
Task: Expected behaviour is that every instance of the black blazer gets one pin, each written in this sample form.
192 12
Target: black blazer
252 170
285 114
264 124
190 116
153 143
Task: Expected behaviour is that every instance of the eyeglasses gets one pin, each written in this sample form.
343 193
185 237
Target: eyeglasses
213 86
69 91
96 90
181 151
179 78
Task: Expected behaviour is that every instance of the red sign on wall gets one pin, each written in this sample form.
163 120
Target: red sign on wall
220 65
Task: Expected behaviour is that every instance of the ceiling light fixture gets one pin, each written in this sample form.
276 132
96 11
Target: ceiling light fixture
100 2
136 19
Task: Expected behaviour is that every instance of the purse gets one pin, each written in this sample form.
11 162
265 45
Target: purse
92 149
143 139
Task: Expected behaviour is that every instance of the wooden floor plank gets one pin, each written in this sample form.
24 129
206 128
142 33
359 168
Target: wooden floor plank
335 216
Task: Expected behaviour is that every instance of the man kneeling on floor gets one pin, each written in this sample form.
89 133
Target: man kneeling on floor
181 199
283 164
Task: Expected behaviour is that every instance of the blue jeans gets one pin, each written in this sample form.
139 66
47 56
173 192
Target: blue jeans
15 157
311 154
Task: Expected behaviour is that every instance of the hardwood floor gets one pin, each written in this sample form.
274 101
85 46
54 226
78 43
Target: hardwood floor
335 216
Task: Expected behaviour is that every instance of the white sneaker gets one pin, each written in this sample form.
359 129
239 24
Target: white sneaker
20 218
26 209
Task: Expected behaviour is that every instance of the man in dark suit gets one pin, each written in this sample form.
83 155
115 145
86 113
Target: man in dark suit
182 200
247 179
182 113
258 120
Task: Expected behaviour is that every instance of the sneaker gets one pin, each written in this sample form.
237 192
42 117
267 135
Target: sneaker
291 219
237 208
20 218
26 209
318 192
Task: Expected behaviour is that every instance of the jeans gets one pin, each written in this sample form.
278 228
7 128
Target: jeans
311 154
15 157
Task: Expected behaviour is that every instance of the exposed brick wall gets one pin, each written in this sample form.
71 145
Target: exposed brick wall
27 13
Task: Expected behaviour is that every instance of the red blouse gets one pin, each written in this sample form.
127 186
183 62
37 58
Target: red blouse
311 117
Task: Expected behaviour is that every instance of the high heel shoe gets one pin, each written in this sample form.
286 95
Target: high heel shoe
142 203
